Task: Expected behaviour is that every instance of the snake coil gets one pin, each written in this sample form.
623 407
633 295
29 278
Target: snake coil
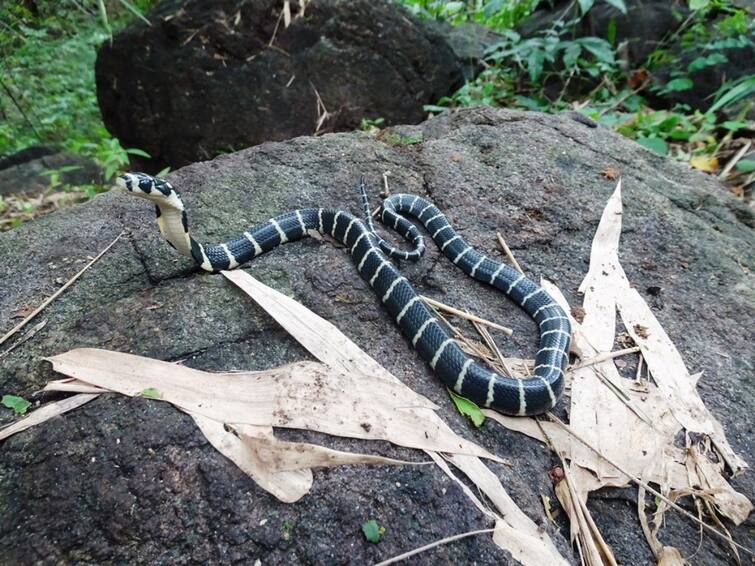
371 254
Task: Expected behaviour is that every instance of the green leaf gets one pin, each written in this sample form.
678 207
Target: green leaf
611 32
599 47
18 405
654 144
698 4
746 165
741 88
585 5
151 393
734 125
619 5
139 152
702 62
677 85
468 408
572 51
535 61
372 531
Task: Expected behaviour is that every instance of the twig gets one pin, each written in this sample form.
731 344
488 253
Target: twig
275 31
466 315
493 347
733 161
621 100
508 253
607 356
25 338
386 191
322 111
639 482
57 293
432 545
474 350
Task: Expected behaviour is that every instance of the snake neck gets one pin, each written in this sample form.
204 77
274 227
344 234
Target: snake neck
174 226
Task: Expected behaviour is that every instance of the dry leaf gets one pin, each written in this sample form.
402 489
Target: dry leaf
45 413
704 163
331 346
637 430
304 395
610 173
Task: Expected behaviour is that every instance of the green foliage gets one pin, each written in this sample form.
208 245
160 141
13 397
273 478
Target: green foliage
496 14
151 393
538 73
18 405
713 27
468 408
372 531
367 125
47 90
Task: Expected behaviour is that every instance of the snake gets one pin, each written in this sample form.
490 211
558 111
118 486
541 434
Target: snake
373 257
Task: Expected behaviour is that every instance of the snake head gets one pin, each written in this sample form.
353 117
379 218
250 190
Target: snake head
157 190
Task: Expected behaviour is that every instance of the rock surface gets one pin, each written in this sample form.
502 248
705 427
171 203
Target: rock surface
28 171
210 77
122 480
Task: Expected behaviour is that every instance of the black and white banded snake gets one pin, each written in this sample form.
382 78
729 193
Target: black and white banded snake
371 253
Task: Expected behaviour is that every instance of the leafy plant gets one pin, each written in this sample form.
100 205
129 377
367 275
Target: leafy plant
496 14
468 408
18 405
372 531
151 393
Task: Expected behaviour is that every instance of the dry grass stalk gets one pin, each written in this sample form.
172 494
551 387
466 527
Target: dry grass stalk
606 356
494 348
322 113
734 160
275 30
27 336
432 545
465 315
57 293
509 255
640 482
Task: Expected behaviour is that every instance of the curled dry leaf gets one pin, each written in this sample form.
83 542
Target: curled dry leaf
304 395
517 534
634 429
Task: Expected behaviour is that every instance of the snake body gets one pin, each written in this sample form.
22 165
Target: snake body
371 254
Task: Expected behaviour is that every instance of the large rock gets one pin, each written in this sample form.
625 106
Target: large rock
133 481
210 77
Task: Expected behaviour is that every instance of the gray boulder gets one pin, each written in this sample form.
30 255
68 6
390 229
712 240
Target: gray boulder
133 481
210 77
